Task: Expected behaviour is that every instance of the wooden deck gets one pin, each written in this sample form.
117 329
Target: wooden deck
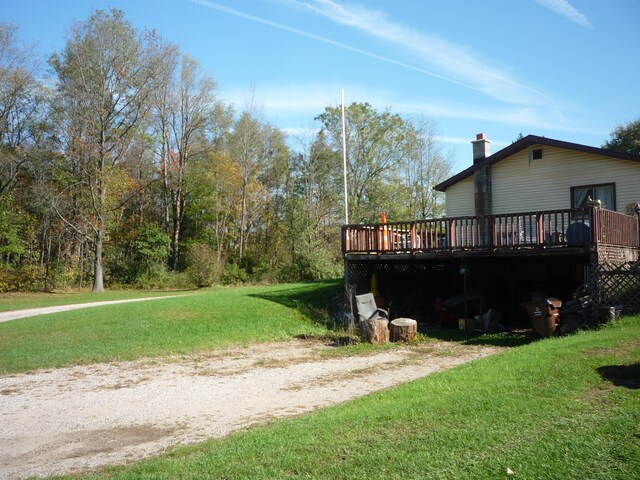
553 231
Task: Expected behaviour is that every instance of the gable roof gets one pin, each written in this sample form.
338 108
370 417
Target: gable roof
526 142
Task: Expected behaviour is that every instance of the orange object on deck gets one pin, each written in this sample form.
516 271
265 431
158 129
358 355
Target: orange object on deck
385 234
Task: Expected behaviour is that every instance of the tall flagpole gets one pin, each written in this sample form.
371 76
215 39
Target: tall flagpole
344 161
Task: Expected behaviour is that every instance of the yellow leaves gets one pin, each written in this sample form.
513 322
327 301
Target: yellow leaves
119 184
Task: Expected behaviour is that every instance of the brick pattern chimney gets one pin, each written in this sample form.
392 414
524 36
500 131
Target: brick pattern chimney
481 148
482 176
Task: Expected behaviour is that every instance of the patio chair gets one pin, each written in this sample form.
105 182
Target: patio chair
367 308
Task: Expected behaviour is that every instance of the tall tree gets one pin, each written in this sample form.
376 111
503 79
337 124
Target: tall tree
376 145
105 76
251 146
189 117
162 106
625 138
20 106
315 191
425 167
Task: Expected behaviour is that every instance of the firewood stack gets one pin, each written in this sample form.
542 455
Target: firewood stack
582 313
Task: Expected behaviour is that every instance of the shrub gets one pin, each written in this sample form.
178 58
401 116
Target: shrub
139 258
28 278
317 263
205 269
234 275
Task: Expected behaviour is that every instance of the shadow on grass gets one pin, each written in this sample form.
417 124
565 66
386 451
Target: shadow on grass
622 375
514 338
319 301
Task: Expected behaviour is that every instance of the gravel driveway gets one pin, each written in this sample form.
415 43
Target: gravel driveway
80 418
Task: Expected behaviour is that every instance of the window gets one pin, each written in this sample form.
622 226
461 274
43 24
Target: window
606 193
536 154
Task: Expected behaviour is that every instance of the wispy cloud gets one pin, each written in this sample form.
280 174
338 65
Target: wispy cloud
320 38
565 9
311 97
435 56
306 101
453 62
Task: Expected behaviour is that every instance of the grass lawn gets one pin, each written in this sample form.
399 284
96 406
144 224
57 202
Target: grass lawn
208 319
558 408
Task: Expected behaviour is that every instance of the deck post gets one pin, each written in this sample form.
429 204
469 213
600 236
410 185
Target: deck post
492 233
413 237
346 243
452 234
539 229
594 221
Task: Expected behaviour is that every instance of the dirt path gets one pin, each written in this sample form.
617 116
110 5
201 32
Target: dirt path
79 418
32 312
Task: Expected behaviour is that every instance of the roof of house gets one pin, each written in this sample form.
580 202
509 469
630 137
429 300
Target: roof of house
526 142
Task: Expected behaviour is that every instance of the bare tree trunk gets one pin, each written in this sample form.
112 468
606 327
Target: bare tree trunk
98 282
101 202
165 178
243 222
175 238
81 263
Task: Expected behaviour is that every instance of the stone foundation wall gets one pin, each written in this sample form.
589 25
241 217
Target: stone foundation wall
612 255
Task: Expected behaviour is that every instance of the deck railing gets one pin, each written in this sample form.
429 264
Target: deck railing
613 228
528 230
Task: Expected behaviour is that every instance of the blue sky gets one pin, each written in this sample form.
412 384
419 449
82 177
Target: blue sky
564 69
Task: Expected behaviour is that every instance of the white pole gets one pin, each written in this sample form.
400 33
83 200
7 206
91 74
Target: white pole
344 161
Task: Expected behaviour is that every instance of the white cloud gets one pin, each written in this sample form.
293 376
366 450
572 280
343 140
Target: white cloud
306 101
453 63
443 59
565 9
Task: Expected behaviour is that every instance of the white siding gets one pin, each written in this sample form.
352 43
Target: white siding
459 199
520 185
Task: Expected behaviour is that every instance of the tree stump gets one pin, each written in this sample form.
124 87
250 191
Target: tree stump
375 331
403 330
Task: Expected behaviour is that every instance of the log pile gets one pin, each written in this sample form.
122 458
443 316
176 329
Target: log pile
582 313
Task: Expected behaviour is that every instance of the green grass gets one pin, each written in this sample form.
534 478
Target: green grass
18 301
550 409
206 320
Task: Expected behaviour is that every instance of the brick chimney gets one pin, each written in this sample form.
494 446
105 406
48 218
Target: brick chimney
482 176
481 148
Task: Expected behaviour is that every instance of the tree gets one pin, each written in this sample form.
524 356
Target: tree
105 76
426 166
20 106
625 138
190 112
313 194
251 146
392 165
160 124
376 145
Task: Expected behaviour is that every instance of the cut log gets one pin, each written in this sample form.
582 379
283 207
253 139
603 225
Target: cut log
375 331
404 330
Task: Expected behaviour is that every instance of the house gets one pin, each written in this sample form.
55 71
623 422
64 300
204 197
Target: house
539 218
537 174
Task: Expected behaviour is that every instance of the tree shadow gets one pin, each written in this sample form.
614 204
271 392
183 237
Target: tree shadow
622 375
515 338
320 301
